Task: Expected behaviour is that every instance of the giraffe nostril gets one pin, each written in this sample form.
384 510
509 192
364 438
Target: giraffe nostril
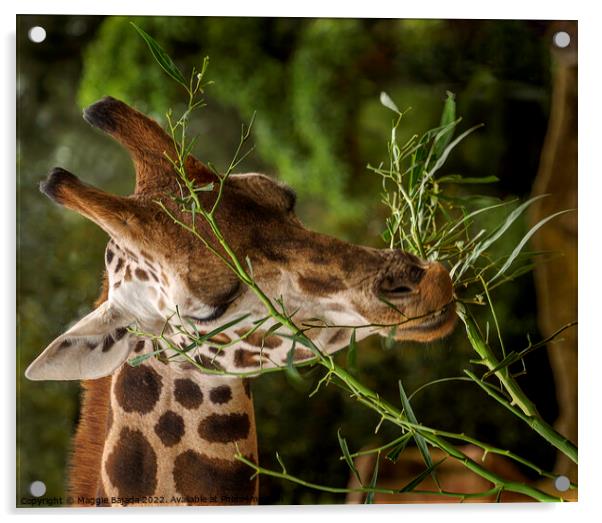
395 286
400 290
401 282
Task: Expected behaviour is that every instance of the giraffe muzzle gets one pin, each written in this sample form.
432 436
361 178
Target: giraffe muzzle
419 298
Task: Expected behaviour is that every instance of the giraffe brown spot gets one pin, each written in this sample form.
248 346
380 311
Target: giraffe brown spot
220 339
170 428
117 284
107 343
246 383
141 274
259 339
245 358
207 362
139 346
217 351
109 256
221 394
224 428
320 286
128 274
302 354
338 337
198 475
138 388
119 264
187 393
132 465
312 334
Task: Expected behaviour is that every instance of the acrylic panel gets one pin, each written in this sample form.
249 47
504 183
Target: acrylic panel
295 261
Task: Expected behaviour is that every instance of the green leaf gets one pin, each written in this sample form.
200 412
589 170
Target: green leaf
418 166
347 456
459 179
385 99
447 117
281 463
205 188
420 441
390 341
445 153
370 496
162 57
187 151
409 487
352 354
449 109
250 266
511 358
298 338
525 239
189 347
272 329
394 453
138 360
224 327
510 219
291 371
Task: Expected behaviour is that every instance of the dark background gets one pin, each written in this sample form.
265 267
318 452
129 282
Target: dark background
315 85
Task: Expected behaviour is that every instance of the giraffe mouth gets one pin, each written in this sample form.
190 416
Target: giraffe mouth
434 325
437 318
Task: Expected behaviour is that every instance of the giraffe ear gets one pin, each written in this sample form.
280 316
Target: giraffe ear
93 348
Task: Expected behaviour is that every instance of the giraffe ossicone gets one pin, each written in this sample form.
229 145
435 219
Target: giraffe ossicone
171 430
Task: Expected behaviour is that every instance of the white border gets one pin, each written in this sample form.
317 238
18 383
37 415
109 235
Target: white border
590 174
552 9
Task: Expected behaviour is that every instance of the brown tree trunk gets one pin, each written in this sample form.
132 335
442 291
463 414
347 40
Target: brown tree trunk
556 280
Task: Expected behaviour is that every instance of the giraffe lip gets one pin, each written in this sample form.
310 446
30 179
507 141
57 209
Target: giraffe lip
436 320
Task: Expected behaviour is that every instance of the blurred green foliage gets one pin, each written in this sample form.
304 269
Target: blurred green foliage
314 84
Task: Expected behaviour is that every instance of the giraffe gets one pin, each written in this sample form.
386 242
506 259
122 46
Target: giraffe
166 431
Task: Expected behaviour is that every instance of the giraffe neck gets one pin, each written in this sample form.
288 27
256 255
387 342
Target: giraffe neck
170 438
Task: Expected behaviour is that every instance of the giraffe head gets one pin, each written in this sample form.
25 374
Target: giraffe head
161 278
